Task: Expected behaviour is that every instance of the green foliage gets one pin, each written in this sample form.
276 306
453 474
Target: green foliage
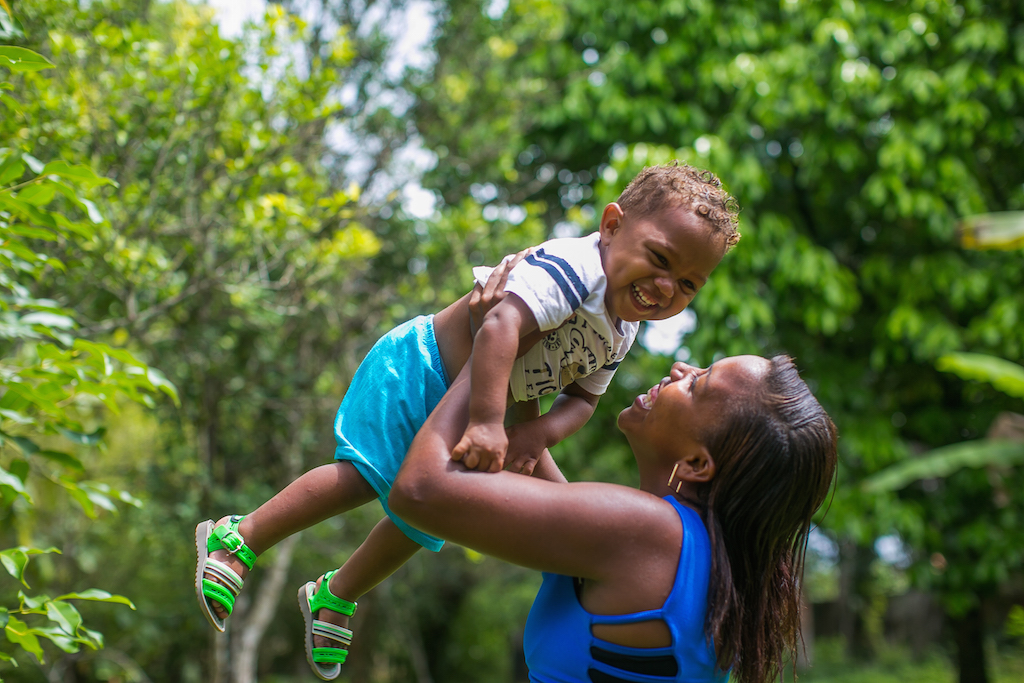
895 665
944 461
1015 622
49 378
855 136
1004 375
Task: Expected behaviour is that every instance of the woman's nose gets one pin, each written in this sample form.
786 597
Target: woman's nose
681 370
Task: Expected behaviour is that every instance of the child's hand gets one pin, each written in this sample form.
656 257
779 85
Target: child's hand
526 443
482 447
484 298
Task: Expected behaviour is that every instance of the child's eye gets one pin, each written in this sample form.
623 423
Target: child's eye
661 259
687 285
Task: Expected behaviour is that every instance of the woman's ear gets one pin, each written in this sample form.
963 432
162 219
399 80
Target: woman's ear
697 467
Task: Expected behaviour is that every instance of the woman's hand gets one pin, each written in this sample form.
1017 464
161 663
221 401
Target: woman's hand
484 298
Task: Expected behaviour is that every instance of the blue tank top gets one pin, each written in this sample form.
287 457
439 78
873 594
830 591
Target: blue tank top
560 647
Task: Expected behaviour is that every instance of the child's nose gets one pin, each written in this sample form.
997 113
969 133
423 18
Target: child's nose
664 286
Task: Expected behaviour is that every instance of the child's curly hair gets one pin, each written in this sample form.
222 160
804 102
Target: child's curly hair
660 187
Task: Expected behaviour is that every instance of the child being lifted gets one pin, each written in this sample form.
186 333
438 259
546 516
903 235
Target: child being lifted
571 313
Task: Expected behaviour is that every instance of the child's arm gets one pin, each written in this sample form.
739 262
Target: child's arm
528 440
484 442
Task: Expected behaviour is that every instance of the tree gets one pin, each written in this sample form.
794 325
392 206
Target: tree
854 136
55 384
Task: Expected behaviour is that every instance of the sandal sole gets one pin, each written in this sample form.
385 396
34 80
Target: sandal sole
305 592
203 531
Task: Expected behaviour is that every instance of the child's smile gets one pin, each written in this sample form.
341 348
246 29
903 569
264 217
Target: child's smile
655 264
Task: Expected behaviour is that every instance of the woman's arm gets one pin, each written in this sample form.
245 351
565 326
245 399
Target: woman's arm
596 531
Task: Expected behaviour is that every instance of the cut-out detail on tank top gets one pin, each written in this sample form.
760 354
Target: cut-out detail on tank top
606 628
649 665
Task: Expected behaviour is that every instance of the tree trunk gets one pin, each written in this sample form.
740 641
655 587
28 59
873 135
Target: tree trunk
258 614
969 635
221 657
805 650
245 653
854 598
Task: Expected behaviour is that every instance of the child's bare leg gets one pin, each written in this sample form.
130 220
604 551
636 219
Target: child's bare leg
318 494
380 555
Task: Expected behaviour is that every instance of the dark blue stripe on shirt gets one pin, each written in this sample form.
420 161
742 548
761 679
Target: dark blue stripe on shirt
581 289
556 275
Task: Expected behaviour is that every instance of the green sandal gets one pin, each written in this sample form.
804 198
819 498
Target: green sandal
209 539
310 601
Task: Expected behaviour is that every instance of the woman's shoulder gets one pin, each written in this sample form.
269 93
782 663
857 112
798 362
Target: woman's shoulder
649 528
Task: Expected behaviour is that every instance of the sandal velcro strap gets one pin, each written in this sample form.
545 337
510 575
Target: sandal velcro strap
226 537
329 655
324 598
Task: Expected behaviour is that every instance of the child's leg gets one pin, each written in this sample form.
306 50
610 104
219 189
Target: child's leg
318 494
384 551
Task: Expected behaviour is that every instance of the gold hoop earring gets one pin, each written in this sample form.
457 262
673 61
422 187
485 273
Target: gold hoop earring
673 476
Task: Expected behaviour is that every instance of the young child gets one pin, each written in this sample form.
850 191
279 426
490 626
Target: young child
570 312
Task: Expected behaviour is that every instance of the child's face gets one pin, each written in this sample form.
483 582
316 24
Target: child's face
655 264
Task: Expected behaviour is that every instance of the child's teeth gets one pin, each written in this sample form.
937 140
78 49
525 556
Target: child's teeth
643 299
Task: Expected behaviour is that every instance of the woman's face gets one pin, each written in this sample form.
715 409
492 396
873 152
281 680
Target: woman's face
686 403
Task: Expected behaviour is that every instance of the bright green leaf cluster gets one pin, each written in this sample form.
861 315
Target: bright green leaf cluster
49 377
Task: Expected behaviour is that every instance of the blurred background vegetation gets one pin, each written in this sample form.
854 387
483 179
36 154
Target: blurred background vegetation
204 229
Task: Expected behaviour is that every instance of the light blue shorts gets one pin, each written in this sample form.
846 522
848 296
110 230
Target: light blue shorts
394 390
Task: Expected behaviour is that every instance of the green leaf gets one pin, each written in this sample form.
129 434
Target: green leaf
47 319
944 461
11 172
20 59
15 416
94 214
30 231
20 469
1004 375
37 194
14 561
97 595
10 27
77 172
33 603
60 458
12 482
82 498
27 446
58 637
65 615
19 633
33 163
4 616
158 380
82 438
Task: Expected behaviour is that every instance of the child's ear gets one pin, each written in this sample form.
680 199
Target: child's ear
611 221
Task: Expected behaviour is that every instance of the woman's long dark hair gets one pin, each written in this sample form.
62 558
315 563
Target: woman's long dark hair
775 460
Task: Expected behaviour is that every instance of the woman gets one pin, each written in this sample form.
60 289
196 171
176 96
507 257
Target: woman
691 575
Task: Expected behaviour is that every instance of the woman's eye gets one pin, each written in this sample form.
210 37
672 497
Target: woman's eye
693 382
